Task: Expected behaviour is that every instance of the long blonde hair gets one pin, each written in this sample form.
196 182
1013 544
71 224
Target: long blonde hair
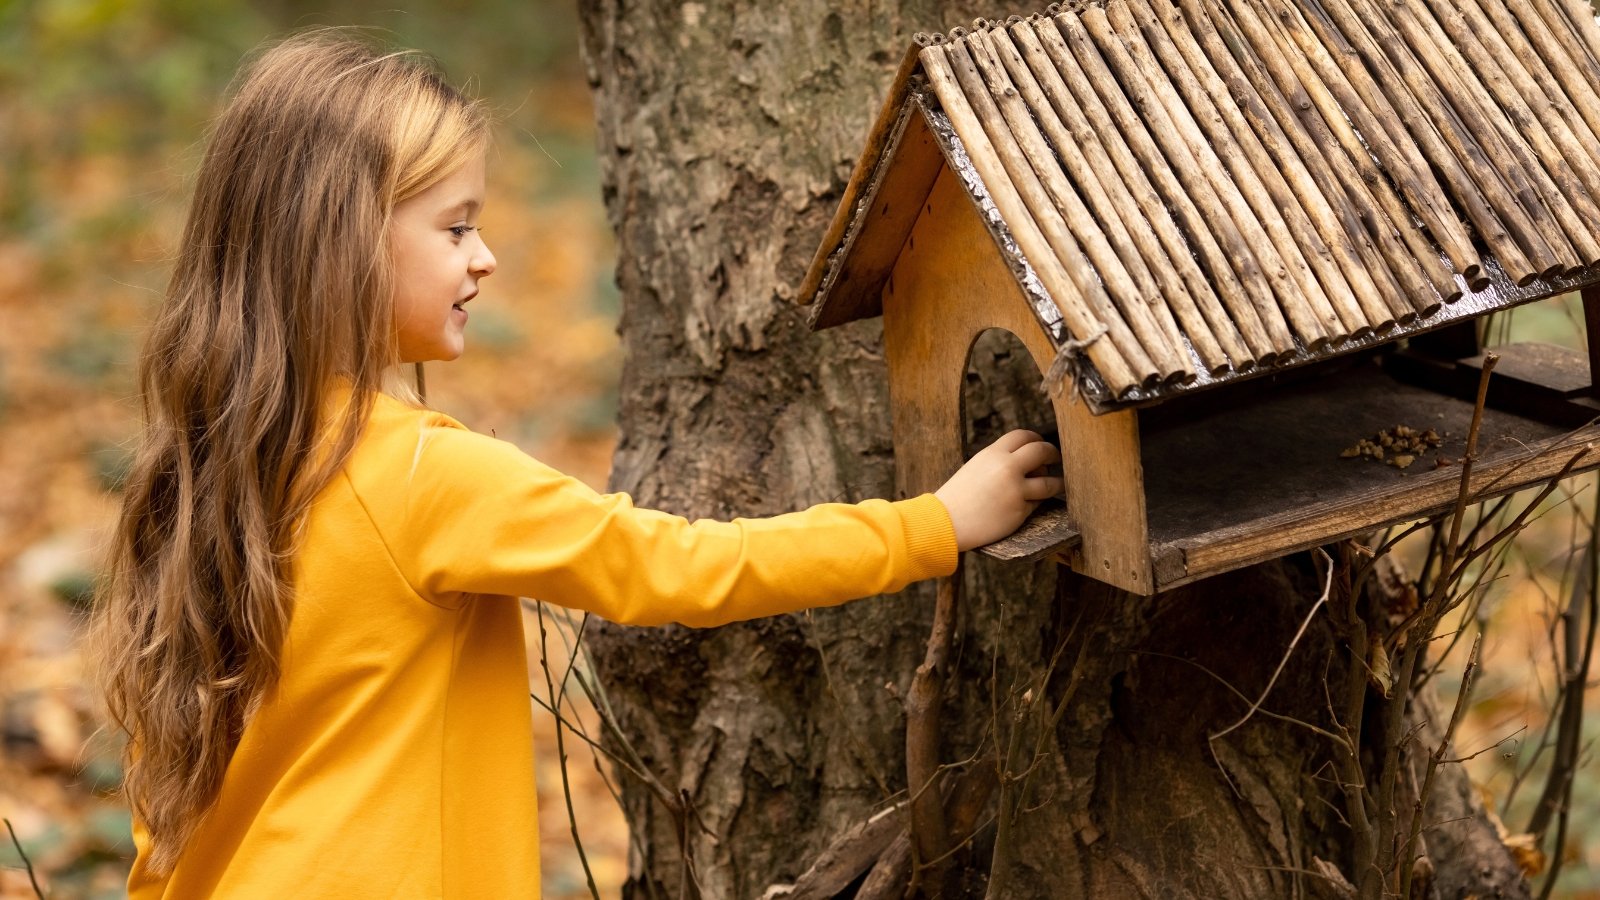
282 290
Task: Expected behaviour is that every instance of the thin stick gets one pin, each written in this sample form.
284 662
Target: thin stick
1484 174
1327 588
1190 196
1568 164
1468 460
1401 244
1132 300
1402 138
26 863
1150 91
572 660
1107 356
1358 806
1192 107
561 754
1330 247
1058 235
1580 18
634 764
1331 207
1518 91
1253 256
1566 195
595 745
930 836
1436 758
1583 118
1483 117
1131 236
1535 41
1389 86
1256 49
1559 28
1576 659
1337 98
1074 99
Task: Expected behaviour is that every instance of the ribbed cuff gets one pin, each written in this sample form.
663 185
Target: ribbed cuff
930 538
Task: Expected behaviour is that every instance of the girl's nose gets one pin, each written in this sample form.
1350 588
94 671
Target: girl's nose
483 262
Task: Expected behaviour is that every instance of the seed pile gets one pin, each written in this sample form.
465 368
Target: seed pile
1398 446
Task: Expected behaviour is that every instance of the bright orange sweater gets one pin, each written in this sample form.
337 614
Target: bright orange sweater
395 757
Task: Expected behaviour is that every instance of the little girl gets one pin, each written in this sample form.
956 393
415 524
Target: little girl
307 630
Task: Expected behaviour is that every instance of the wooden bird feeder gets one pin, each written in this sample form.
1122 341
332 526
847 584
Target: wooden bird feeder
1237 237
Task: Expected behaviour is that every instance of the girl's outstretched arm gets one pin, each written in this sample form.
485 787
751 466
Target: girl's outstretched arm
464 514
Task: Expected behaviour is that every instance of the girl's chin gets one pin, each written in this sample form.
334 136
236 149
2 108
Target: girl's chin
443 354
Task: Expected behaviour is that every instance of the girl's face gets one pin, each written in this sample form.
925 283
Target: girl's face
438 258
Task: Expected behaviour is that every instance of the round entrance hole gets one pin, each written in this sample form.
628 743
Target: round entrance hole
1002 390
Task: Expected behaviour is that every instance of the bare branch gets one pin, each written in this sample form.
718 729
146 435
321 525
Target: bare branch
1435 759
850 855
561 752
924 703
1317 729
1284 660
26 863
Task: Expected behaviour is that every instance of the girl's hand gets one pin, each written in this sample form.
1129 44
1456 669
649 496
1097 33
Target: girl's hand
990 496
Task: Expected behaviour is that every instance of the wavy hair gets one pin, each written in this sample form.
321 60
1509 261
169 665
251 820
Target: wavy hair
282 291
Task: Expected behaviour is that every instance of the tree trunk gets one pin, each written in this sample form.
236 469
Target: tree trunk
727 131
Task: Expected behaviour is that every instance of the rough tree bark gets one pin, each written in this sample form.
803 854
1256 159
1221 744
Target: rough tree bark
727 131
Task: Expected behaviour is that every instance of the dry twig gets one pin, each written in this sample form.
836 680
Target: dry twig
26 863
561 749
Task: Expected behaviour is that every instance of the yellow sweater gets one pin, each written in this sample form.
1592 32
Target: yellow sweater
395 758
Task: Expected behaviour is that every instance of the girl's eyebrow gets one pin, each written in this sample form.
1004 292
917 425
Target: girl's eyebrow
466 207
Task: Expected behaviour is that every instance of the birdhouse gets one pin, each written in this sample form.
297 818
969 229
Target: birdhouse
1249 245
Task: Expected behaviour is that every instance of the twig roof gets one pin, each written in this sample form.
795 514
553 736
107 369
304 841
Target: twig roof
1192 190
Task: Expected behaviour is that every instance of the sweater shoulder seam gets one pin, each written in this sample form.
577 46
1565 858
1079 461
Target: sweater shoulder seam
388 550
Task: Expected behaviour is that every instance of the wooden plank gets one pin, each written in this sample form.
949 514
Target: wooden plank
930 323
1049 530
854 290
1557 371
1257 482
1362 514
1104 473
865 173
1591 333
1536 381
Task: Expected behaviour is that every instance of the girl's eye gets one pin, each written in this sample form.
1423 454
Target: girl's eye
462 231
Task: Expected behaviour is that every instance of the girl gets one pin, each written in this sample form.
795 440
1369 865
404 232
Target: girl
307 631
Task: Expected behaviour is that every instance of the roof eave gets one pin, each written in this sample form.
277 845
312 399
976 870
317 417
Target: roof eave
876 159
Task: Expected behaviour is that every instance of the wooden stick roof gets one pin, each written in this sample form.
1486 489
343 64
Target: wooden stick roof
1195 191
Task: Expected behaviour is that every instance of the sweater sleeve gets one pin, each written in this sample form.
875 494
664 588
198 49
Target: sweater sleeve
476 515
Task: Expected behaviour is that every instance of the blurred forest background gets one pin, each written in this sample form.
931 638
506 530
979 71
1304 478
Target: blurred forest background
103 106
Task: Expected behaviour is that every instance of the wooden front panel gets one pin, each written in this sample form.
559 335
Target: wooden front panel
949 285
